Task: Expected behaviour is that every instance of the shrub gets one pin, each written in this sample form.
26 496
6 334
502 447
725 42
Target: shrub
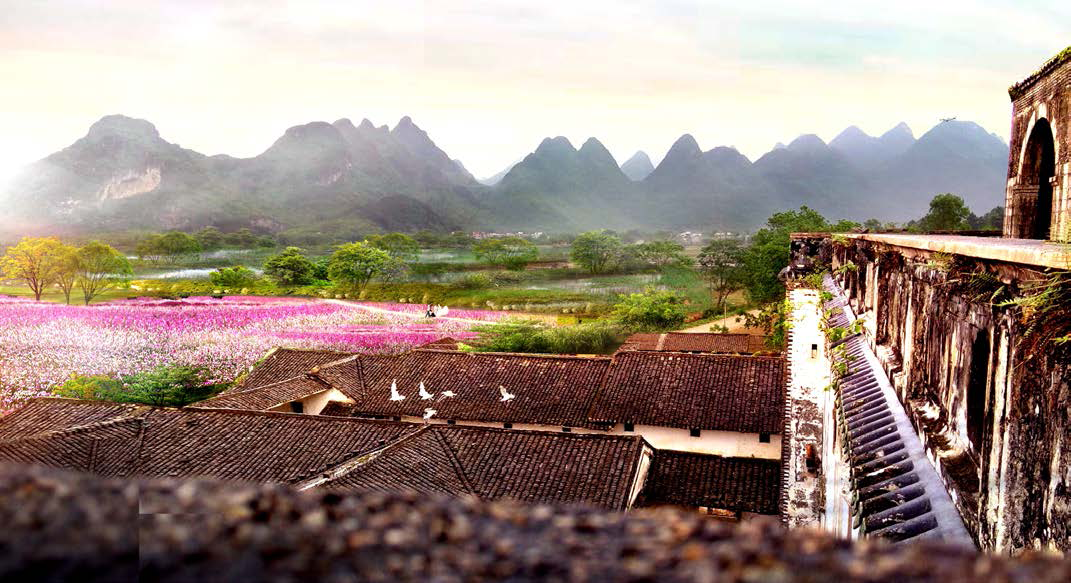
236 276
533 336
651 311
474 281
167 385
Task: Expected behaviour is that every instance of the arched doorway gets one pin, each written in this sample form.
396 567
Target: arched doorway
1039 166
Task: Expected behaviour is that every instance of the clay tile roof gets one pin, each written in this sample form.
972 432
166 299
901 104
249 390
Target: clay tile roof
696 342
446 343
550 390
286 363
337 409
227 445
537 466
266 397
693 480
700 391
51 414
421 462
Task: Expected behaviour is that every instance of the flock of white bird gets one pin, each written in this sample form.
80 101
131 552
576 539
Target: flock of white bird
422 392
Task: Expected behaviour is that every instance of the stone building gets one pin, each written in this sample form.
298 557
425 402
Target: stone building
1038 204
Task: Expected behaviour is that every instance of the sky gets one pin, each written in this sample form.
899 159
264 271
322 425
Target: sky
490 80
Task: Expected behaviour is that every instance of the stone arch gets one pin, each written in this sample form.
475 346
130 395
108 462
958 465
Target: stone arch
1033 195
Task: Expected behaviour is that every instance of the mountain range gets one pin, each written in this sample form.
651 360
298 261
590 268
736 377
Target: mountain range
340 180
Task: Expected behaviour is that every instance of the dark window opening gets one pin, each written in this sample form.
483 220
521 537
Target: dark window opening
396 418
764 438
814 351
507 425
297 407
567 429
630 427
976 388
693 432
451 422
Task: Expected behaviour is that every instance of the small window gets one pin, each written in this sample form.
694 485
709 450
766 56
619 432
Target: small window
630 427
396 418
764 438
567 429
814 351
451 422
297 407
693 432
507 425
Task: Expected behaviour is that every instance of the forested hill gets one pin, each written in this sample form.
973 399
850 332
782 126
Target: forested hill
343 179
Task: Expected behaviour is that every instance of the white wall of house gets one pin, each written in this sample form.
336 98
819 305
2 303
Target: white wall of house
641 475
313 404
723 443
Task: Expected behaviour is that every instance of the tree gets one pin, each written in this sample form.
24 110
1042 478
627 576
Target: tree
168 247
991 221
67 274
355 264
37 261
241 238
100 267
595 251
948 212
651 311
290 267
209 238
510 252
722 264
769 251
236 276
398 245
661 254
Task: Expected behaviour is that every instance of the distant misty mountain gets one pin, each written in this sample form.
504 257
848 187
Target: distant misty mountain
340 180
638 167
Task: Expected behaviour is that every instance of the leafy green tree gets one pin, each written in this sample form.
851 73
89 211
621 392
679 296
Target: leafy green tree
355 264
236 276
37 261
168 247
398 245
290 267
596 251
651 311
768 253
510 252
948 212
242 238
100 268
67 273
990 221
661 254
721 262
319 269
210 238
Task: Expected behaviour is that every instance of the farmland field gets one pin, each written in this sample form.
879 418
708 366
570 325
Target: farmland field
42 343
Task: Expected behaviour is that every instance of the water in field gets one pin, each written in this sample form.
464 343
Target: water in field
186 273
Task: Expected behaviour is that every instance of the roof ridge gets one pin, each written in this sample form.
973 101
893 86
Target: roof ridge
223 396
459 469
86 428
512 354
343 468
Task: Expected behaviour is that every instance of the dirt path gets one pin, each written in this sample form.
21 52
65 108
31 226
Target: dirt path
729 322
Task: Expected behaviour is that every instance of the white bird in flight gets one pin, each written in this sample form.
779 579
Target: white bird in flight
506 395
428 413
448 394
394 394
424 394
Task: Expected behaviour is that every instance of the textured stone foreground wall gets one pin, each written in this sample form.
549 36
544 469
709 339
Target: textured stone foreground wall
72 527
943 347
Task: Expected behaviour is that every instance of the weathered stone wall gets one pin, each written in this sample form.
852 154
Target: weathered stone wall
1044 97
995 420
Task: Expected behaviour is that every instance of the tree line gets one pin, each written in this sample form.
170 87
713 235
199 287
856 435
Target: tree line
41 262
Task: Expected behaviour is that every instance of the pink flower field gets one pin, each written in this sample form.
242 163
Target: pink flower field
42 344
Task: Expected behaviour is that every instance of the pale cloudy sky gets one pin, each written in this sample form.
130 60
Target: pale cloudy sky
489 80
